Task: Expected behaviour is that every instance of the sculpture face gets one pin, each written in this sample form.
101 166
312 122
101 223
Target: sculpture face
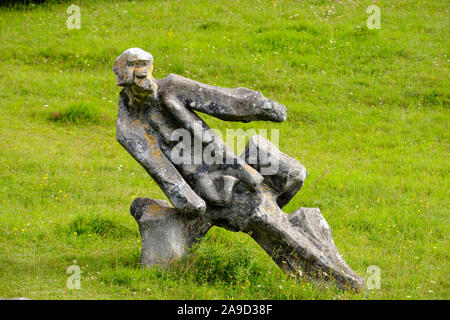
133 69
142 81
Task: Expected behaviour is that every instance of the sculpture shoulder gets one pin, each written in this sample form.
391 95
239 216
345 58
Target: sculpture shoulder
181 82
188 89
175 77
175 80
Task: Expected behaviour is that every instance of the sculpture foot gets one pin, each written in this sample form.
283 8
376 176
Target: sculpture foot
301 244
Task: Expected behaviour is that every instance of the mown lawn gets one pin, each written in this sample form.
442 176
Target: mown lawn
368 115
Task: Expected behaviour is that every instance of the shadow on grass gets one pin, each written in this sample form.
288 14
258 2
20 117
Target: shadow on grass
95 225
79 113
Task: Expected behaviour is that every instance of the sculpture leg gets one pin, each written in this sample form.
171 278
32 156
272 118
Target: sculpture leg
287 176
166 233
301 243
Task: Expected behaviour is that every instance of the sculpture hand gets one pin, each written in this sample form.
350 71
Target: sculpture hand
188 202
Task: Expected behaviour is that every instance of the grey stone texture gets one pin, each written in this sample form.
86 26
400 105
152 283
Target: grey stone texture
238 194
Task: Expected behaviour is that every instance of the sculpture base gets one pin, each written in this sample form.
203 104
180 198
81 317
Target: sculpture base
166 234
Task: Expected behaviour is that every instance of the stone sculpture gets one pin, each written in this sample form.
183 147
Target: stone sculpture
223 190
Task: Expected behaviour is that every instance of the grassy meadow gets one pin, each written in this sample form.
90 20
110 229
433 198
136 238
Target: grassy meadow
368 115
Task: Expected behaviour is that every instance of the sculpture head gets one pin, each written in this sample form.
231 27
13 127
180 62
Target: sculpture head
133 68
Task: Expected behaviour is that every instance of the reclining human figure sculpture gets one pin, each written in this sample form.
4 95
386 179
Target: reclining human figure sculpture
236 193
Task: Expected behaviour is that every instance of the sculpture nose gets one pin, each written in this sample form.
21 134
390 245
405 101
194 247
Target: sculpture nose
141 72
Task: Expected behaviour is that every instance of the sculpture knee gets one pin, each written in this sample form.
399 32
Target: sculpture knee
216 192
285 175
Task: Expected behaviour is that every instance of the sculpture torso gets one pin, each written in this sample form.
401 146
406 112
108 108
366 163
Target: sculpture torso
213 181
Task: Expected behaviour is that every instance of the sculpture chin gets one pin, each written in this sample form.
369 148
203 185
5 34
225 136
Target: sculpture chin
144 91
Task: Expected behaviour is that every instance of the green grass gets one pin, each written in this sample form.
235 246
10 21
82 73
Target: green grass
369 106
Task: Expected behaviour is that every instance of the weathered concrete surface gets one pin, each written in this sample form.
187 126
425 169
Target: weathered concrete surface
240 194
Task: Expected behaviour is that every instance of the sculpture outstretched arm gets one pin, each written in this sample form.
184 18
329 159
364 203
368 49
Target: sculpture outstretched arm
239 104
145 149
